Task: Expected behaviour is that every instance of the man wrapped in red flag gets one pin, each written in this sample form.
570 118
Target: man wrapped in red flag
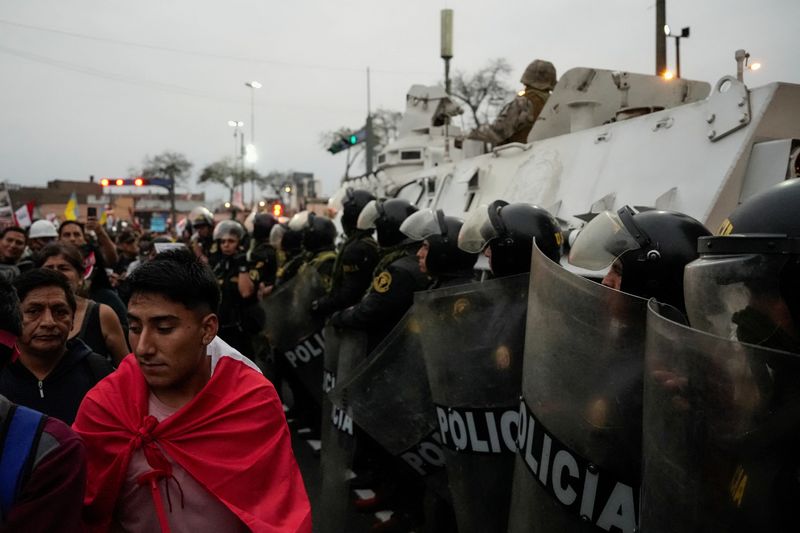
186 435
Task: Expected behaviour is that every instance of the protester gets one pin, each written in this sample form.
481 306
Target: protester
95 324
12 245
187 435
43 460
95 260
52 373
41 233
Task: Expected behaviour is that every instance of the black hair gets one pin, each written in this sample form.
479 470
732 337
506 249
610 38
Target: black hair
179 276
10 319
66 222
15 229
44 277
63 249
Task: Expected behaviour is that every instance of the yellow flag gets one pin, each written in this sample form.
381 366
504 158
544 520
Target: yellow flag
71 211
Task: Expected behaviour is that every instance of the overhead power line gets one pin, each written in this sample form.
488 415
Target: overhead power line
123 78
209 55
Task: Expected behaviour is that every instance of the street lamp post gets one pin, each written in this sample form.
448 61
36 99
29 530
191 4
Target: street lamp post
238 150
684 33
252 156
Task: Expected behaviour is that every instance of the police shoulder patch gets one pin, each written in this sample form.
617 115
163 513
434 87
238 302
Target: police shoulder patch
382 282
254 275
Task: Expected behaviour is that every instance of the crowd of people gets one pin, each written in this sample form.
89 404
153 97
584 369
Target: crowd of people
186 433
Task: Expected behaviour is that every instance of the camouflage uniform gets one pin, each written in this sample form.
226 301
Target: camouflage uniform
515 120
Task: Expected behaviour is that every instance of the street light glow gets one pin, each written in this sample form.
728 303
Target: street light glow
668 75
666 29
755 66
250 154
262 203
254 84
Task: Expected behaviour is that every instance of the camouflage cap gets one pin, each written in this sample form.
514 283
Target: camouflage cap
540 75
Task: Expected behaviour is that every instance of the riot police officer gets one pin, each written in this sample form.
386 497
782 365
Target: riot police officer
318 237
289 244
439 256
236 324
746 283
505 233
202 221
357 258
646 251
397 275
262 257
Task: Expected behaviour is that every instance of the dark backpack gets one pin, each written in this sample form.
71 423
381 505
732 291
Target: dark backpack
20 436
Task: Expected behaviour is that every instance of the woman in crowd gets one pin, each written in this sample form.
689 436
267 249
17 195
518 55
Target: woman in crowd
96 324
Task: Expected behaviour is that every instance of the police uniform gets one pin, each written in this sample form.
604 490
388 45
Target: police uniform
396 279
290 267
515 120
235 326
352 273
262 263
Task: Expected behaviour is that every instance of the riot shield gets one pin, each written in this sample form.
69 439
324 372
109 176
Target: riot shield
472 344
293 332
344 349
721 433
579 441
389 398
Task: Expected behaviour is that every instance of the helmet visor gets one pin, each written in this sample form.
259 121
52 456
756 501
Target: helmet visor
422 225
738 296
299 221
276 235
601 242
336 203
228 227
368 216
477 231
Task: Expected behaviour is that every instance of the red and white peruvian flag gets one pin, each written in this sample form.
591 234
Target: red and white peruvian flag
23 215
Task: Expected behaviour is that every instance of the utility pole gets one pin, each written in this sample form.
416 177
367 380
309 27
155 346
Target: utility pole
447 45
661 38
370 138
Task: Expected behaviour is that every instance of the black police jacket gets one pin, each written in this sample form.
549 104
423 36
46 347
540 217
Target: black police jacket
387 300
352 274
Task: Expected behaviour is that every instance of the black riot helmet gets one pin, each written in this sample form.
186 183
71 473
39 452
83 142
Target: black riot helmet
746 283
287 240
509 230
319 233
262 226
386 216
652 246
350 202
441 232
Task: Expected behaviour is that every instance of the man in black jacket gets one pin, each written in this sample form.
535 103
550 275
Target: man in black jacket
357 258
52 374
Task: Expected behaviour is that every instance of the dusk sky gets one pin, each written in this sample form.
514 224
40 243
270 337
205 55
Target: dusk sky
92 87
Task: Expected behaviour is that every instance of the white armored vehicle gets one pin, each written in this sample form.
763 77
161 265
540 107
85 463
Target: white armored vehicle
603 140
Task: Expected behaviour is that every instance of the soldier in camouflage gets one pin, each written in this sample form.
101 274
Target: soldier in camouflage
516 119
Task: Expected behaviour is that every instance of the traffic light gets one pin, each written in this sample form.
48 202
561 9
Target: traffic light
346 141
277 210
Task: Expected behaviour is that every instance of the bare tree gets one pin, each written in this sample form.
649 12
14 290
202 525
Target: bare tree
483 92
172 165
223 172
